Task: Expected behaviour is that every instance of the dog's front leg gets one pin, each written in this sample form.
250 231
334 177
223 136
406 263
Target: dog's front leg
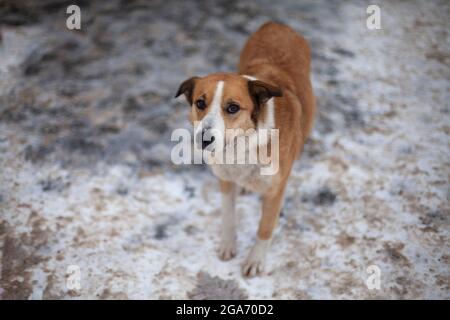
227 248
271 206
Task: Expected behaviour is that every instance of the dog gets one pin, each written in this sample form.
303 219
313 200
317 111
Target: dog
272 90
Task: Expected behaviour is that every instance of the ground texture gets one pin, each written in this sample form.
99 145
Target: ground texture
86 177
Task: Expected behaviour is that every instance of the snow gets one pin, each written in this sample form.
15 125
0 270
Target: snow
86 177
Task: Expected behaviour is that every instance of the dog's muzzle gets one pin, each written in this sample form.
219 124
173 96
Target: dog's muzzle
205 138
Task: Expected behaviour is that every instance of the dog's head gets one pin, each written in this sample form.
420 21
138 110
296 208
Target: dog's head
225 101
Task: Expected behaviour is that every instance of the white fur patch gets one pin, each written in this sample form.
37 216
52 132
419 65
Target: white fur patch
227 248
214 117
214 120
249 77
269 123
254 264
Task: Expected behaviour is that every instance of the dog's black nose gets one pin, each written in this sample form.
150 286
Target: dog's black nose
207 138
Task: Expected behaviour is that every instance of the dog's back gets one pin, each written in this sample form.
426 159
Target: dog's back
289 54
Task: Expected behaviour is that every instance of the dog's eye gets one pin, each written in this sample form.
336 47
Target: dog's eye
232 108
201 104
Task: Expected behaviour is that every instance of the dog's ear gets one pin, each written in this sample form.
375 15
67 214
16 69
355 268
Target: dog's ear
261 92
187 88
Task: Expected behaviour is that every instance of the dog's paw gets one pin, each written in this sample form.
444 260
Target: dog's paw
252 267
244 191
227 249
254 264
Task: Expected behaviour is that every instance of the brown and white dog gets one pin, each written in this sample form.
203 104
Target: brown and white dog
271 90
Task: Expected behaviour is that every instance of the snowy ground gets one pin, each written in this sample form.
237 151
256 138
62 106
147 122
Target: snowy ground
86 177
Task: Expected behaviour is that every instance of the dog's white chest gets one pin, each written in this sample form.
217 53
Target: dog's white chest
242 171
246 175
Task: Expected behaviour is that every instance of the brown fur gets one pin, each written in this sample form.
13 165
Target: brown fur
277 54
280 59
